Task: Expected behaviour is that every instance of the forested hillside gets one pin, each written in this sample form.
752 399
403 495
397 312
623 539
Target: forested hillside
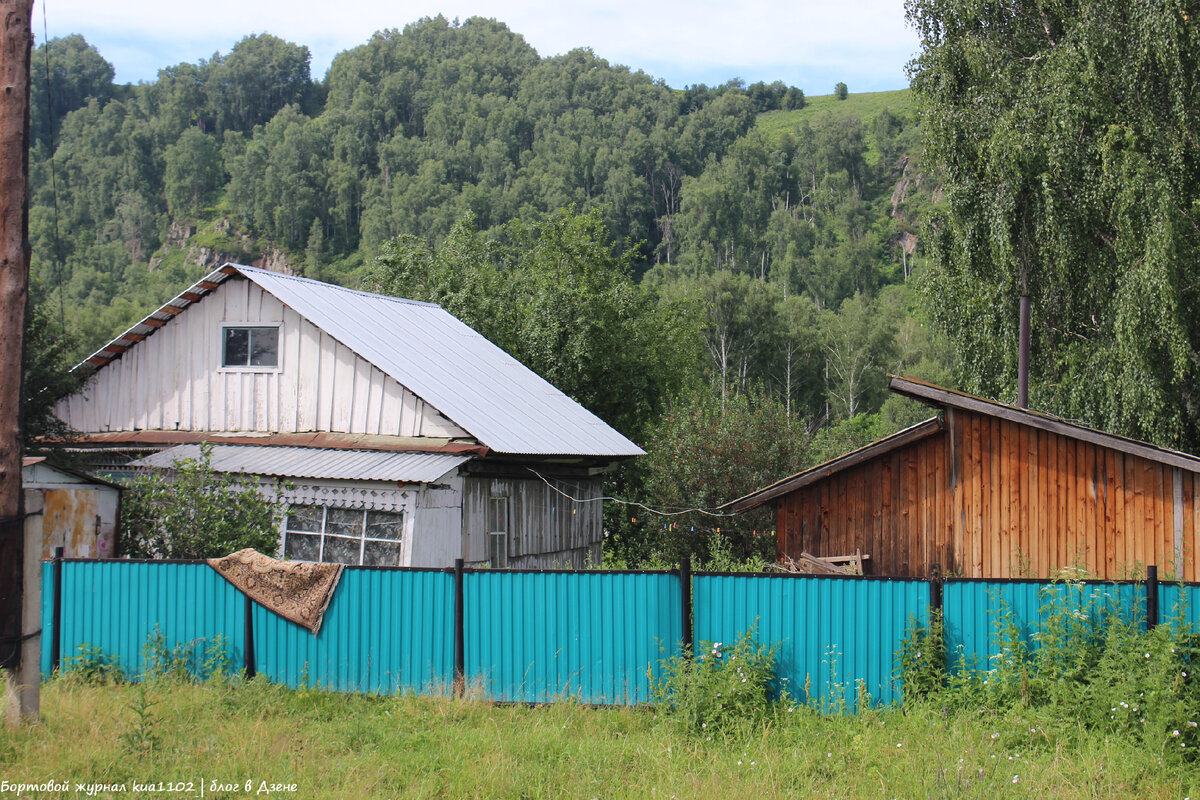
706 267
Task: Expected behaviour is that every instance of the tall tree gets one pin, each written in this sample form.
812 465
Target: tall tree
1067 134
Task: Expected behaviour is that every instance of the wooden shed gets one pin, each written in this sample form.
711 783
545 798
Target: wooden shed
989 490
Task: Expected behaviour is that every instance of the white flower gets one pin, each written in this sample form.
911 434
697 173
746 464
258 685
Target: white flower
1016 778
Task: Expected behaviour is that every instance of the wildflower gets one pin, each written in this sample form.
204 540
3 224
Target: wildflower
995 736
899 744
1147 655
1174 733
739 762
1016 778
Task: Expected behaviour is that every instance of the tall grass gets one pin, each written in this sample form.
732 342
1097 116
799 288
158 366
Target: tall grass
358 746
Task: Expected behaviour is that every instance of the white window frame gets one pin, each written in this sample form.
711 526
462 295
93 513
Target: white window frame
362 532
502 532
228 326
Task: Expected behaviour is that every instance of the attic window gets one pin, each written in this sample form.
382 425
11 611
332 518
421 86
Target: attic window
250 346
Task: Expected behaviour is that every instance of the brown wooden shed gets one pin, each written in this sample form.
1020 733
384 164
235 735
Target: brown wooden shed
989 490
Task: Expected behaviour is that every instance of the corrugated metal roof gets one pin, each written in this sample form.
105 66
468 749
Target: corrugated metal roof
310 462
499 401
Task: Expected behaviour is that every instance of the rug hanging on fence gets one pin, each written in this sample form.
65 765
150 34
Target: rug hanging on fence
298 591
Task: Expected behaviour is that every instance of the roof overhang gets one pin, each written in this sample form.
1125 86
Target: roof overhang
313 462
874 450
943 398
329 441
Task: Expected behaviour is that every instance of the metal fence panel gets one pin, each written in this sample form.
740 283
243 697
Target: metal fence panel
1176 601
384 631
832 633
594 637
116 606
978 613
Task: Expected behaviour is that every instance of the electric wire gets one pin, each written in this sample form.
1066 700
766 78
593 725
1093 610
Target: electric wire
62 305
662 511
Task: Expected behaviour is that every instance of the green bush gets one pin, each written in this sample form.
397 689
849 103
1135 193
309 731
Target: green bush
197 513
724 684
1085 662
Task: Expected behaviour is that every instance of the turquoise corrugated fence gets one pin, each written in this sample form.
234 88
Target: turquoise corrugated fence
597 637
384 631
974 610
116 606
1179 602
590 636
833 633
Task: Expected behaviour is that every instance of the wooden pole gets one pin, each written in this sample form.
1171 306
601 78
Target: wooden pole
16 43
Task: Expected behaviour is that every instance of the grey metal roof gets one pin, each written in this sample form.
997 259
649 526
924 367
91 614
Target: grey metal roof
497 399
312 462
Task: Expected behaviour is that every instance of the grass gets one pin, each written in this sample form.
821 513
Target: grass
357 746
866 106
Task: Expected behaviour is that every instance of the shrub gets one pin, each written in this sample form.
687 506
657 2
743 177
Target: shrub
721 685
197 513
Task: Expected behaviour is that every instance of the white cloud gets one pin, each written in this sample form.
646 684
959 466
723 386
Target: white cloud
802 42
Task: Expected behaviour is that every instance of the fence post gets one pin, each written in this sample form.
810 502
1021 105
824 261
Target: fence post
56 613
1151 597
248 660
685 591
935 588
460 668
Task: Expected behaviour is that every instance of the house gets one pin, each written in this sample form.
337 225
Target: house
397 434
989 490
79 513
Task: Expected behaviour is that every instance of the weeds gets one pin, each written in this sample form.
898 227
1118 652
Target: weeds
723 684
141 739
92 666
1084 662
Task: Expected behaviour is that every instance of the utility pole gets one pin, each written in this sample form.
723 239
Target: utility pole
16 43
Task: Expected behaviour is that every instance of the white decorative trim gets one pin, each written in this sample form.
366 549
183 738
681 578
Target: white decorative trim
345 495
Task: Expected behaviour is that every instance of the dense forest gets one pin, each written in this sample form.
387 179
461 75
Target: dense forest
726 274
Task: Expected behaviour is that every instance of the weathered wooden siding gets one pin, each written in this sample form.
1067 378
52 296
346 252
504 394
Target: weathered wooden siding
545 528
174 380
992 498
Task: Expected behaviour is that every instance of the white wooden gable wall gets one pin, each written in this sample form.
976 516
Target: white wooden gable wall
173 380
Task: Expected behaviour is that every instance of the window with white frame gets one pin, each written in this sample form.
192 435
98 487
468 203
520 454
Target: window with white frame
249 346
344 535
497 532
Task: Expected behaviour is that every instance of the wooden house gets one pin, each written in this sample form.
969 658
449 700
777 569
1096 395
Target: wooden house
989 490
397 434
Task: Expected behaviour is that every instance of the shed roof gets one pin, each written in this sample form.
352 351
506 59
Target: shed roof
499 401
942 398
765 495
310 462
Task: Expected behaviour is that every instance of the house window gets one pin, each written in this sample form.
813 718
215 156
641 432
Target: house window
250 346
497 520
344 535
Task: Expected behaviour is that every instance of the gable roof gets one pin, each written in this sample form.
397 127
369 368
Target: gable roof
942 398
499 401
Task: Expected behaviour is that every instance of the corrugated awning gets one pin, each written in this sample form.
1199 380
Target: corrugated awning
308 462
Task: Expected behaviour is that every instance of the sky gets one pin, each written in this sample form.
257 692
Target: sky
812 44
